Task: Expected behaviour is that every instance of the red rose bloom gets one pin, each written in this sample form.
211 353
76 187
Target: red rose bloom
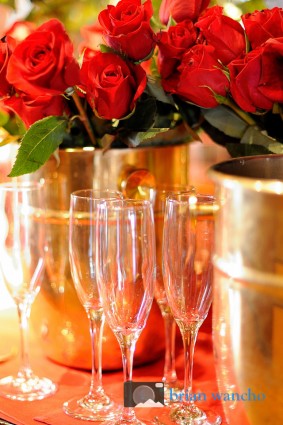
180 11
271 81
173 44
4 57
260 26
223 33
43 64
199 78
113 86
31 109
256 80
127 28
244 80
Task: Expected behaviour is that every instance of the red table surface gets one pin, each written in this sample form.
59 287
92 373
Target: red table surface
72 382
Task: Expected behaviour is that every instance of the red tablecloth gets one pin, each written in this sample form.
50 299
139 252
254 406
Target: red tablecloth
72 382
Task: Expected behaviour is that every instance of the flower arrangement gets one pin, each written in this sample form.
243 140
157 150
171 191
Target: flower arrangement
196 66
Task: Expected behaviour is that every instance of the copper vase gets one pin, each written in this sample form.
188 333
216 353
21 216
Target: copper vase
57 313
248 288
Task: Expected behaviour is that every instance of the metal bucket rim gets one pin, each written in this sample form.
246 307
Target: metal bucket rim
259 184
140 148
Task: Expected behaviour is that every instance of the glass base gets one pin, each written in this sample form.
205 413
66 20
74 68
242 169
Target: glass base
127 417
192 415
26 388
91 409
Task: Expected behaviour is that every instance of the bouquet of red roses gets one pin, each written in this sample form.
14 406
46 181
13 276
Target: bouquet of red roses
199 67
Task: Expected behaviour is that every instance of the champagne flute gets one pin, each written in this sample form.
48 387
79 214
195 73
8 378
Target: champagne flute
188 243
125 270
169 373
96 405
22 245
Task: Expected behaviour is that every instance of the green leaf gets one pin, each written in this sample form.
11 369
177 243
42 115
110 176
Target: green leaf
171 22
155 89
37 145
144 115
256 136
136 139
106 49
225 120
240 149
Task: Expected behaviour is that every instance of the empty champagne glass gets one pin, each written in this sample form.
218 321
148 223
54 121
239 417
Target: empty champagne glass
22 246
188 243
125 270
170 378
96 405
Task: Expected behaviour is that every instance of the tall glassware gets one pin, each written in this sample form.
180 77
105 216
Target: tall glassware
188 243
125 269
22 246
169 374
96 405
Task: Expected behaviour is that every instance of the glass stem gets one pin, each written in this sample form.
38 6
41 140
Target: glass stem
170 375
96 319
128 344
23 309
189 336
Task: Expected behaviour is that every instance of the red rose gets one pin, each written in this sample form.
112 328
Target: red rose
223 33
256 80
4 57
31 109
43 64
260 26
244 82
199 79
271 81
180 11
112 84
127 28
173 44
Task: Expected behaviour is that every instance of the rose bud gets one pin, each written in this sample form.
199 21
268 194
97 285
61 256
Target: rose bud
260 26
223 33
256 79
200 78
181 11
172 44
127 28
113 85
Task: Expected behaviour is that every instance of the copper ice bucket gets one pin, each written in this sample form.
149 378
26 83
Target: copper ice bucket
248 289
57 314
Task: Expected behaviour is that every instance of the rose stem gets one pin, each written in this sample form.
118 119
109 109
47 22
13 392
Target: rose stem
84 118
